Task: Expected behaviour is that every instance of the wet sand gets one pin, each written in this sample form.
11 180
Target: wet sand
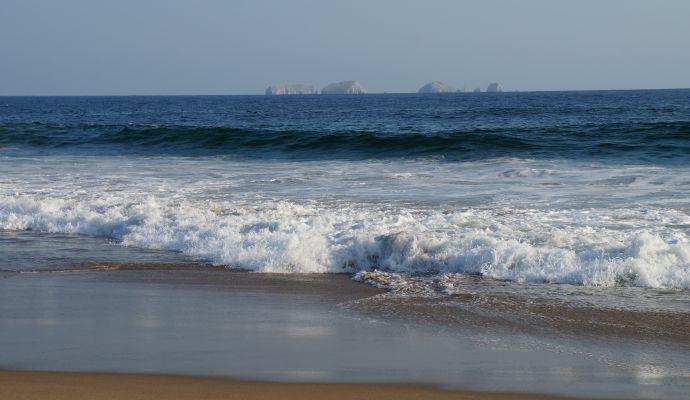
523 314
179 319
77 386
646 317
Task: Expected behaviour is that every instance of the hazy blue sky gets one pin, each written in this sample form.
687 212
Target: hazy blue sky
235 47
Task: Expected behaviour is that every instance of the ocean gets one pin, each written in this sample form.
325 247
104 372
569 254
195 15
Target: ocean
528 242
586 189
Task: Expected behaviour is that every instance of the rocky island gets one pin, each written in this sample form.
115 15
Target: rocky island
437 87
440 87
345 87
356 87
286 89
494 88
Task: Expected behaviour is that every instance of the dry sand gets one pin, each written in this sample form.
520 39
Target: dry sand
77 386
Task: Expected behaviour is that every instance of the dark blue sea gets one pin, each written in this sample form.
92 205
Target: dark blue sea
650 127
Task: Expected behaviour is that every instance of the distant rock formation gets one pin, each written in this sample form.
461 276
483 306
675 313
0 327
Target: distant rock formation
285 89
346 87
477 90
494 88
439 87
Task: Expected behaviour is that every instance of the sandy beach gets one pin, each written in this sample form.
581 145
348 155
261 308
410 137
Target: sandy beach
128 330
73 386
344 200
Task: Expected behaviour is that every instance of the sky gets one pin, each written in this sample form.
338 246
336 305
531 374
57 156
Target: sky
140 47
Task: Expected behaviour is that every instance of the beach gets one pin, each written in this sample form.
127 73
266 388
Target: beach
352 200
476 244
59 386
191 320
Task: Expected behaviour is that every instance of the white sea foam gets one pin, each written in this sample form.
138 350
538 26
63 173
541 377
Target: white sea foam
519 220
595 247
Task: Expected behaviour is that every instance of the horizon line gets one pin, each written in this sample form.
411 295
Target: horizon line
349 95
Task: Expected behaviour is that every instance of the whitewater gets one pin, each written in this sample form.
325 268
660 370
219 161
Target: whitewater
507 219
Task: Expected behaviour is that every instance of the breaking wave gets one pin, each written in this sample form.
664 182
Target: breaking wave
613 247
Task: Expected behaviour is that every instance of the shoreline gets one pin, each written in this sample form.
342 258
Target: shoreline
303 331
30 385
478 305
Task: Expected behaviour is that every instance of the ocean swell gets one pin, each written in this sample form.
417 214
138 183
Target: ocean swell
660 141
